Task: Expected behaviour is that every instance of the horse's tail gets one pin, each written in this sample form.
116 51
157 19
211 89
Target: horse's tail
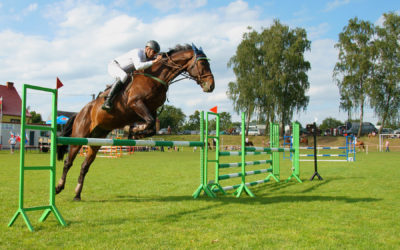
67 131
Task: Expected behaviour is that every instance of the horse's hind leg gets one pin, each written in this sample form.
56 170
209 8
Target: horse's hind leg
73 151
91 155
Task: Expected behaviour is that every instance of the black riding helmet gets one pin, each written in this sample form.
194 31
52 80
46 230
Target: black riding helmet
153 45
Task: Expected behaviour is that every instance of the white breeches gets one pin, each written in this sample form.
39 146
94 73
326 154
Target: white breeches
116 71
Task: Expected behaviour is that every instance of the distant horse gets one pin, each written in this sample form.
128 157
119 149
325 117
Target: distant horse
304 140
360 145
137 104
249 144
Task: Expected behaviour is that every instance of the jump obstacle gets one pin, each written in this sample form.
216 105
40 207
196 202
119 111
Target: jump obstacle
209 189
349 153
273 161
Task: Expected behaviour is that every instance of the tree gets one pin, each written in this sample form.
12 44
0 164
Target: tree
36 117
330 123
246 65
285 79
270 72
353 70
173 117
225 121
385 91
194 121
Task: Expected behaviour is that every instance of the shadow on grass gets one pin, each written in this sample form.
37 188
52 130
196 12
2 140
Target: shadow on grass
244 199
220 202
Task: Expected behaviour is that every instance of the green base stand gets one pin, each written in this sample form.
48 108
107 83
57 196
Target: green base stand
294 176
206 190
276 178
216 187
242 188
48 210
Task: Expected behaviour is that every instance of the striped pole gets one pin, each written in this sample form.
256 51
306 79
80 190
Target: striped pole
120 142
239 164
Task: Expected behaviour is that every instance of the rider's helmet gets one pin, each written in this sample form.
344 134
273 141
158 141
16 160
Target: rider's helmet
153 45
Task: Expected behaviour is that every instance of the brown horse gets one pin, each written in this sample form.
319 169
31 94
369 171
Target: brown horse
137 104
304 140
360 145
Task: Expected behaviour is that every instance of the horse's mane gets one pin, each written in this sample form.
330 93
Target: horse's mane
179 47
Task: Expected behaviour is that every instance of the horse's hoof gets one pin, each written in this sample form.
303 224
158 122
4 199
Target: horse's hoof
58 190
77 199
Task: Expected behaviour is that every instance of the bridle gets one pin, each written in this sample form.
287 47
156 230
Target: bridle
184 70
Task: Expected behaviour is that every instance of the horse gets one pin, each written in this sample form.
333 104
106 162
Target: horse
360 145
249 144
304 140
137 105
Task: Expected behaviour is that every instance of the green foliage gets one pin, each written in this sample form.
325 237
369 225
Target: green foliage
173 117
353 71
225 121
270 71
330 123
385 91
36 117
194 122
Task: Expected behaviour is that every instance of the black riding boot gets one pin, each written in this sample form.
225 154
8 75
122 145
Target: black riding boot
115 88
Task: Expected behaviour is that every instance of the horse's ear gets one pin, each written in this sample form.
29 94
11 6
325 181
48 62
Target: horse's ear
194 48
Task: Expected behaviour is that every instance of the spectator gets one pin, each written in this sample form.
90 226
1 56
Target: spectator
387 146
12 141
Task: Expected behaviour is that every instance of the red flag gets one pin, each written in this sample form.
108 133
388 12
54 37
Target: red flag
214 110
59 83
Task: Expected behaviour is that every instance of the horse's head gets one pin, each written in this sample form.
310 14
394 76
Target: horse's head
200 70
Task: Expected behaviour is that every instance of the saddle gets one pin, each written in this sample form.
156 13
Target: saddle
102 94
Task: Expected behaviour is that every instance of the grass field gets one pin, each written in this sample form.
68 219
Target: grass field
144 201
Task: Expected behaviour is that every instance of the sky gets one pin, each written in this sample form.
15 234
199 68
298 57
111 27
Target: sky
76 39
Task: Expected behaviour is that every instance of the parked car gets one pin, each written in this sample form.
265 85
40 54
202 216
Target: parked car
367 127
396 131
387 131
163 131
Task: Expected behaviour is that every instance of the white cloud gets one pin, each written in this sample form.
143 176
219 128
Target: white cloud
167 5
335 4
32 7
89 35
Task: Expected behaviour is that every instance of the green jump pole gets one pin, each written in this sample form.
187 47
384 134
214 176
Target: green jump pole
274 143
243 186
296 154
52 167
203 164
215 186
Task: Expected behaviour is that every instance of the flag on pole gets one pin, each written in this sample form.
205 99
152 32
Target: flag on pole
59 83
214 110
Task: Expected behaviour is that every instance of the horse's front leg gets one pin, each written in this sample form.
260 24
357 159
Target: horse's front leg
73 151
91 155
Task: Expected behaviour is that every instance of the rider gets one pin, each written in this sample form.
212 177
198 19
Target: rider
135 59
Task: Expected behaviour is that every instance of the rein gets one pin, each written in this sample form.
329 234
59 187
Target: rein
181 69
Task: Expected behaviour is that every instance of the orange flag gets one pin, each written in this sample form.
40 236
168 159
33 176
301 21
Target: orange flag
214 110
59 83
